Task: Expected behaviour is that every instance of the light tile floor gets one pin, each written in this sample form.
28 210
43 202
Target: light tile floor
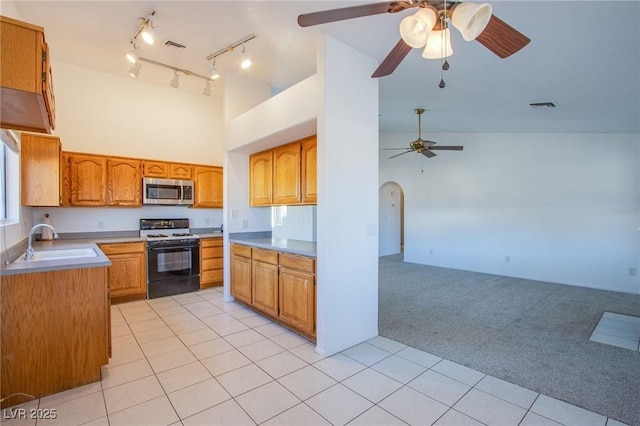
193 359
618 330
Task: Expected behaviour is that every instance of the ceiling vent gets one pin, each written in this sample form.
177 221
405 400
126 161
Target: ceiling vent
174 44
542 105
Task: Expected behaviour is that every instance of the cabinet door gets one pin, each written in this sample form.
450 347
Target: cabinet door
156 169
40 170
88 180
309 170
65 179
128 270
265 287
297 299
241 278
123 182
208 187
261 178
286 174
180 171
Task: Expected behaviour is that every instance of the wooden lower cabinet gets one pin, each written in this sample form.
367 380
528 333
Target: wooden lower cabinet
241 272
128 270
264 280
211 262
55 329
298 292
281 285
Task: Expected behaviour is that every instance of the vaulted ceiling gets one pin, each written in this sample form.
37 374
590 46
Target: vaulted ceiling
584 56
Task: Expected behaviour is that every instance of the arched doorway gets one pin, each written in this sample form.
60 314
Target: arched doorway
391 219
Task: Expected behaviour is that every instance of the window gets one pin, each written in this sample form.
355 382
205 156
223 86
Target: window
9 178
3 183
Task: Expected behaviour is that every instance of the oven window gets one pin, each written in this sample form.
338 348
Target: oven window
174 260
163 192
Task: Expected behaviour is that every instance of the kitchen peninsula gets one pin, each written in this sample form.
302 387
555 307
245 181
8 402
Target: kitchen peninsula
276 277
56 325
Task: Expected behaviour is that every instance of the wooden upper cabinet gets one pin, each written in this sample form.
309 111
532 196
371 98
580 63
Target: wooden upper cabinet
286 174
156 169
161 169
40 170
180 171
88 180
123 182
261 178
28 102
309 170
208 186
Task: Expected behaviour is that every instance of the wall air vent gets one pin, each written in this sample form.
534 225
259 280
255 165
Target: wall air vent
542 105
174 44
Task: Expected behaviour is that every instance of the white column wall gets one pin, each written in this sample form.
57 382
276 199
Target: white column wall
347 271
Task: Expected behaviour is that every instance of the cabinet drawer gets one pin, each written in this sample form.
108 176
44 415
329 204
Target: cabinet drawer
209 276
208 253
119 248
267 256
240 250
212 264
211 242
301 263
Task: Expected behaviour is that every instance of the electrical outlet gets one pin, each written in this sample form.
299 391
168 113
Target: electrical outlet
234 213
633 271
245 223
507 259
207 221
430 251
101 224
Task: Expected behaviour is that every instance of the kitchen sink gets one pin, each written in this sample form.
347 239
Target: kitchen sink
59 254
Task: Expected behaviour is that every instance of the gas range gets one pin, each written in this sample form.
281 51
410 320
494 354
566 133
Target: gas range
167 232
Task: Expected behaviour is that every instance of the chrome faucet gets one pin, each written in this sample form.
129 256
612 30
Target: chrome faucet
29 254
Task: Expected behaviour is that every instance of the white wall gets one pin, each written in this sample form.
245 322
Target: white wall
390 219
347 271
109 219
110 114
294 222
563 208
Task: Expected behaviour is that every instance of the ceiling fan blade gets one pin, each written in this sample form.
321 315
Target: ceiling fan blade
406 152
392 149
427 153
501 38
393 59
332 15
447 148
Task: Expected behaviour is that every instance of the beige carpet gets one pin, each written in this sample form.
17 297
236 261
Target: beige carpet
534 334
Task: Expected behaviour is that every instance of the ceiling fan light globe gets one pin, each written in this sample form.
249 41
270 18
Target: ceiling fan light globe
415 29
434 49
471 19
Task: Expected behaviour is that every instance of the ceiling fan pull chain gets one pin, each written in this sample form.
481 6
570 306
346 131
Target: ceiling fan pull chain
443 41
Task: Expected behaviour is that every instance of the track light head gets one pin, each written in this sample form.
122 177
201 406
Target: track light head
146 29
207 89
133 54
133 72
175 82
213 72
245 61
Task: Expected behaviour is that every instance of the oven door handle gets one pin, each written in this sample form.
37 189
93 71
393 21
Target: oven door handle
171 248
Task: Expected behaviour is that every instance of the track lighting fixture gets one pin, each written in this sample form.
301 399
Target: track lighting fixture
175 82
147 32
133 54
245 61
213 72
207 89
133 72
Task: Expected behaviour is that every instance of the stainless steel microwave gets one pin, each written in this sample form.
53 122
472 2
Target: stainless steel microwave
167 192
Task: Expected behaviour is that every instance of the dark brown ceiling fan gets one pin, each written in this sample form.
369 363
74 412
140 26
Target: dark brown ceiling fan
422 146
475 22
